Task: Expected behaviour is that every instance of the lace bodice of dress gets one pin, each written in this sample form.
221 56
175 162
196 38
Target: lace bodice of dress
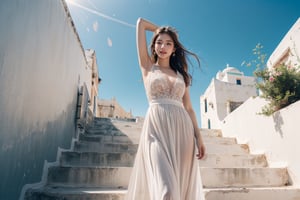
159 86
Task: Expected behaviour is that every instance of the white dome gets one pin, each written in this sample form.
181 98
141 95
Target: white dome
232 70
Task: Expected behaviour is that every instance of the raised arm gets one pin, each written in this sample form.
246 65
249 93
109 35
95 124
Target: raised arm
143 56
188 106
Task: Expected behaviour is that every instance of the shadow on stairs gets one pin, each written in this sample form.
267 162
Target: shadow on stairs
99 164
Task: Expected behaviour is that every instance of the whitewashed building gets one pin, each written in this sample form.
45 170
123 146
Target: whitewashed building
288 50
281 130
90 55
225 93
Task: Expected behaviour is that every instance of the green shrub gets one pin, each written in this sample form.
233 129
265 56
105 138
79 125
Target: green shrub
280 86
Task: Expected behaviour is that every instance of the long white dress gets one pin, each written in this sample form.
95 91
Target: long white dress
165 167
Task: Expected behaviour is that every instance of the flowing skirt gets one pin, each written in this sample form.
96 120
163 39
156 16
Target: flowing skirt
166 166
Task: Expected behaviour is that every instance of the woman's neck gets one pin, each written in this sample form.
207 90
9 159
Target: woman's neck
163 63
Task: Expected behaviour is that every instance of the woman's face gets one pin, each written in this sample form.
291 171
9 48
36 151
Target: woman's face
164 46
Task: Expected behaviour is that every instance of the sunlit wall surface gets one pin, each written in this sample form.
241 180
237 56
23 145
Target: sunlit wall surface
42 65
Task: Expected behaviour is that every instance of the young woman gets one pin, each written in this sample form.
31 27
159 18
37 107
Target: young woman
165 166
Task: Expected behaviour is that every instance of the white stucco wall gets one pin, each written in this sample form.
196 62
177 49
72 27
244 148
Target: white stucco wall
231 92
245 80
42 65
291 43
211 113
218 94
277 136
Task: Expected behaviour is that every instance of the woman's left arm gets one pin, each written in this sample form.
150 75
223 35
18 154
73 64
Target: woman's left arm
189 108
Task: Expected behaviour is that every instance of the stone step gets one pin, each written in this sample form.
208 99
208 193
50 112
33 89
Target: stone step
101 125
115 125
211 132
96 146
228 160
212 148
243 177
133 135
273 193
104 131
101 119
96 159
132 130
105 177
234 149
84 146
105 138
125 125
218 140
64 193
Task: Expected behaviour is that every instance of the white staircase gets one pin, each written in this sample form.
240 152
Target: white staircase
97 168
229 172
100 164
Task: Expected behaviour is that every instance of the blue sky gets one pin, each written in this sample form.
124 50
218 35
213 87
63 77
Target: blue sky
220 32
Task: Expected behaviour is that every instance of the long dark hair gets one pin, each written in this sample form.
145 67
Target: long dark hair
178 60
